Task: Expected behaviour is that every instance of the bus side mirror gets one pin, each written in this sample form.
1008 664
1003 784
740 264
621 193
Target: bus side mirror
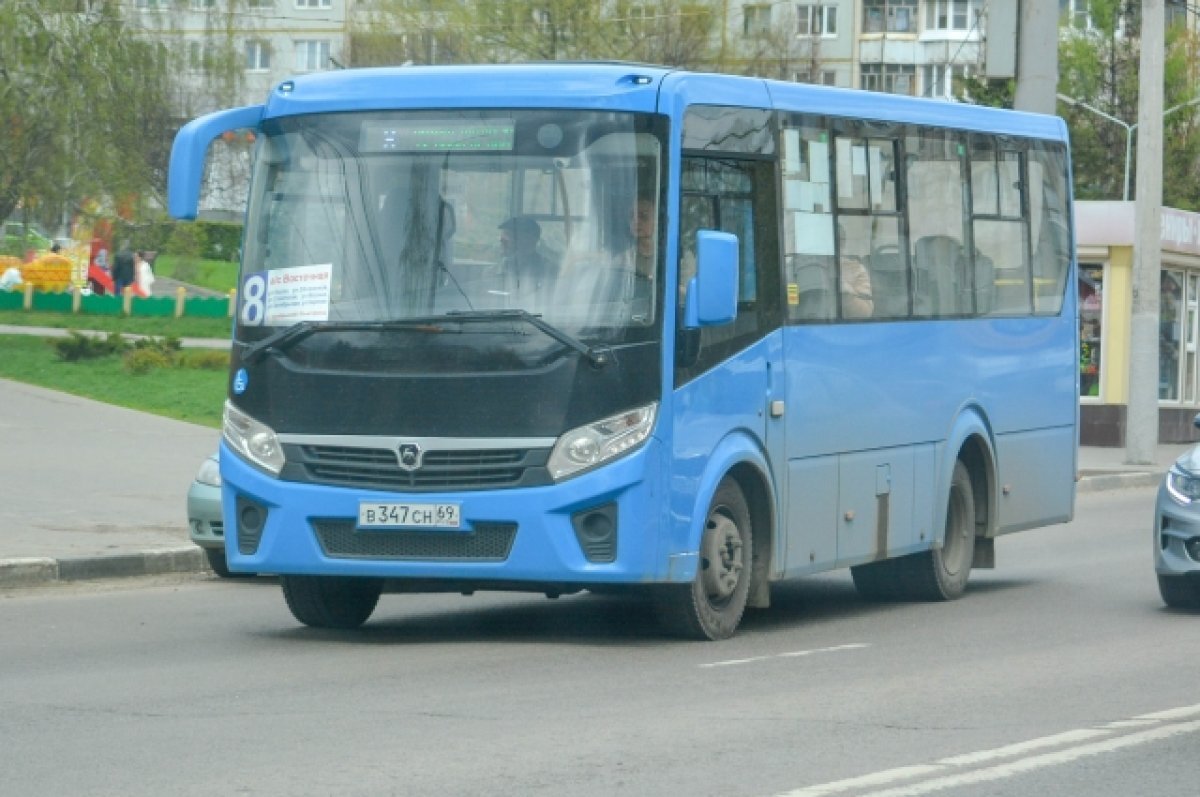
712 294
191 147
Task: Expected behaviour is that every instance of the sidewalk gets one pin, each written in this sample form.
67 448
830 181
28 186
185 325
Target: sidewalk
58 332
89 490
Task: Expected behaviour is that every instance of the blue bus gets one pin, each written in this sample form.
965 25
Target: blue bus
615 327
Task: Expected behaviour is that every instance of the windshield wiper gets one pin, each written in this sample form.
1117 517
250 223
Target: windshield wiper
598 356
287 337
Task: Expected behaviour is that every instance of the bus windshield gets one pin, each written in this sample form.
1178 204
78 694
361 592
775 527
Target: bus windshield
386 216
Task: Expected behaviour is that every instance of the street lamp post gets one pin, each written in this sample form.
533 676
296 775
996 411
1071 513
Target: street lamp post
1129 128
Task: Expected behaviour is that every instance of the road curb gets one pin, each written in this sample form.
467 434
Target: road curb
1118 481
39 571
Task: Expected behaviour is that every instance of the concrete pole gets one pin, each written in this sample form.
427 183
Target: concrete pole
1037 56
1141 427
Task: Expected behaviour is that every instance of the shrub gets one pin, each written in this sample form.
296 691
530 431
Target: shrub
170 345
187 240
76 346
146 359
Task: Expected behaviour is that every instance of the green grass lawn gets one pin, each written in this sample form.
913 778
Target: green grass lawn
186 394
185 327
219 275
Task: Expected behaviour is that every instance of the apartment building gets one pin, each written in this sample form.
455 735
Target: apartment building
914 47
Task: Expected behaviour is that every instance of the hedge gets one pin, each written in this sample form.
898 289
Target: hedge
212 240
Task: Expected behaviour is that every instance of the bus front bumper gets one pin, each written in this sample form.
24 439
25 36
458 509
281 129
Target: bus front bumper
601 527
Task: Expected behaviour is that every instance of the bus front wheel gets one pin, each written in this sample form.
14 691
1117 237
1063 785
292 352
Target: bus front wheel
712 605
331 601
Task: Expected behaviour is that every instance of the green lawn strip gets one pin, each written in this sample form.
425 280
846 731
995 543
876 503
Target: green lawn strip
186 394
185 327
217 275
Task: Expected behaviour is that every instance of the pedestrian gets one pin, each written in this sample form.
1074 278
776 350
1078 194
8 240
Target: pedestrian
123 269
144 273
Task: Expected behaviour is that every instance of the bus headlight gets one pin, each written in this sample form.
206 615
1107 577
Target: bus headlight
588 446
253 440
1183 486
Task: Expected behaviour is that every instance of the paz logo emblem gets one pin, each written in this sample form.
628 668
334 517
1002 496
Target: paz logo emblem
410 456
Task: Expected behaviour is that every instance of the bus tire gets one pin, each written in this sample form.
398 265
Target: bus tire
941 574
937 575
712 605
331 601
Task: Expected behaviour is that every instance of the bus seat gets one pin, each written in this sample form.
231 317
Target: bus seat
889 282
939 258
813 278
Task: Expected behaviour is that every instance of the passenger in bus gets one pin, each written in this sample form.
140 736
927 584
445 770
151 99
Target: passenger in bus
639 259
527 272
640 256
854 283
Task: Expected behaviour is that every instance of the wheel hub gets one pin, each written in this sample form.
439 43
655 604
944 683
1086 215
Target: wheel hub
721 557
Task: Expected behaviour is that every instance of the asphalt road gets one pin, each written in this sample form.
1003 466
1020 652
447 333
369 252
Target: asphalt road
1060 673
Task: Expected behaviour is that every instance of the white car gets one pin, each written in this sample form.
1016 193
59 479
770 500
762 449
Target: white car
204 517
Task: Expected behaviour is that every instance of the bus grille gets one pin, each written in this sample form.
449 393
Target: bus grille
379 469
485 542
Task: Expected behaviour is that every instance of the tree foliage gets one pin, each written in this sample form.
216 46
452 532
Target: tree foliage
86 106
667 32
1100 68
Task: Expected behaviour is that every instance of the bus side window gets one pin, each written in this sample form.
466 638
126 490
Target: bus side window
999 227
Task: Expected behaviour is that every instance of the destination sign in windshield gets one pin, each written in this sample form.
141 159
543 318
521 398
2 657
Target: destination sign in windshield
432 135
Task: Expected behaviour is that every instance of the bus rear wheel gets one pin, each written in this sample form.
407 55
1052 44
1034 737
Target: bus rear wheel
331 601
712 605
937 575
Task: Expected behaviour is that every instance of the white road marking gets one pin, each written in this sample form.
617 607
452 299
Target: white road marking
1076 744
790 655
1008 751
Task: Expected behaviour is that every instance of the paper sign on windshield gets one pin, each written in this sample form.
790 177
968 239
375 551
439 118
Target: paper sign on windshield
283 296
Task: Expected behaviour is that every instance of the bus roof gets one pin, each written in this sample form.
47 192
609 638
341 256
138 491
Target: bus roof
624 87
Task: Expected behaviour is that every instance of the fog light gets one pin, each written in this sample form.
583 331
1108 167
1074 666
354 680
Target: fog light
596 532
251 519
1193 548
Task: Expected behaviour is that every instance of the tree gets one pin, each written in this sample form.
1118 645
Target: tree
86 105
1099 67
667 32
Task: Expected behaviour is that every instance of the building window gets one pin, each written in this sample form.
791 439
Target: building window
260 3
200 56
944 81
1074 14
1091 326
828 77
258 55
959 15
1177 11
312 3
889 16
892 78
816 20
312 55
756 20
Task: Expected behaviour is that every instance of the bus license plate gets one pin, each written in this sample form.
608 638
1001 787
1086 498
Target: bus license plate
373 515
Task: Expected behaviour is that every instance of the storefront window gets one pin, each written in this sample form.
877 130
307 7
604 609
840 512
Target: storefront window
1170 336
1091 319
